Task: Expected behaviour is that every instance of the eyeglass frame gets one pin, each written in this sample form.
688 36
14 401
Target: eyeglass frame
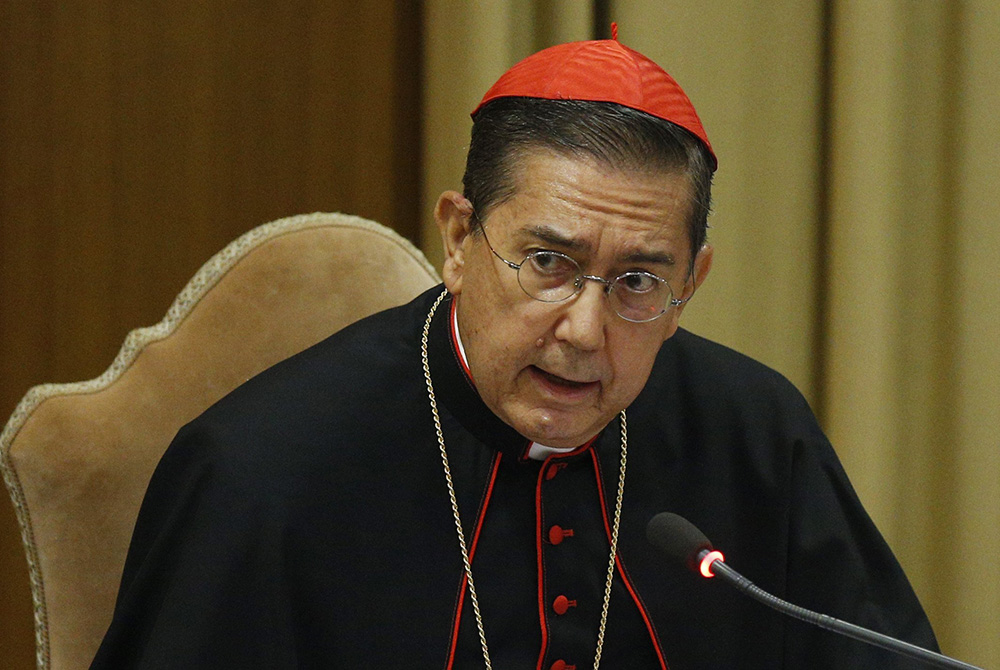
608 284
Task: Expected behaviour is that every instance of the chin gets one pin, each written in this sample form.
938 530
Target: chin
547 428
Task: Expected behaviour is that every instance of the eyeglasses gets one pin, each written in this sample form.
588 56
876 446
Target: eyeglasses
549 276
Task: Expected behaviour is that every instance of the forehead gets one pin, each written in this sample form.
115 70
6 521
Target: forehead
596 204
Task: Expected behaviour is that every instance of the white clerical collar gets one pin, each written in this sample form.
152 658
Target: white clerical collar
536 451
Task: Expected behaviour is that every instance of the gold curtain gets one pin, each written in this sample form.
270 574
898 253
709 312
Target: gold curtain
852 226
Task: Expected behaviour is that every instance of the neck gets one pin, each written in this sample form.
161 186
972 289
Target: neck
536 451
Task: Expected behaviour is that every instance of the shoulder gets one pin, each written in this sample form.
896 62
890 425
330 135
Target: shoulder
719 410
711 373
326 398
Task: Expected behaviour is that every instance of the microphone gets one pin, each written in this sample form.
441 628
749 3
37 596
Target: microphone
679 539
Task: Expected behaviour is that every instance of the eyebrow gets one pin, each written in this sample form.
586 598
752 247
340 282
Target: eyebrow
554 237
651 257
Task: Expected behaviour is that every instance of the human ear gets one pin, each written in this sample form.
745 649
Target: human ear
453 214
702 266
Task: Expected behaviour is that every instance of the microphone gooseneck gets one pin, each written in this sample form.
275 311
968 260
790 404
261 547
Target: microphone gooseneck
681 540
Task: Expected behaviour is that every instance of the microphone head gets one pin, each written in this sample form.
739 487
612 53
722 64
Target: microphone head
678 538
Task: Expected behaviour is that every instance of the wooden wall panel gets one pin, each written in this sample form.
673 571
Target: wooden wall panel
137 139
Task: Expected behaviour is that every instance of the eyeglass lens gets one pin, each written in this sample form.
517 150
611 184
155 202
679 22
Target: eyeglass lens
549 276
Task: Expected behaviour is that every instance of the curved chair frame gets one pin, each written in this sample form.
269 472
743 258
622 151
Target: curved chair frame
421 275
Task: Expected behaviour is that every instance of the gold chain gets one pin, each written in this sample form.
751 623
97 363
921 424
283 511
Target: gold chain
458 520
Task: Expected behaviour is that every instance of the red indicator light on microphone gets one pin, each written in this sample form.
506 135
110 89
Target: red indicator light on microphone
706 563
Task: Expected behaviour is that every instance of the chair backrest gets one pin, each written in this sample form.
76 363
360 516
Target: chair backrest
77 457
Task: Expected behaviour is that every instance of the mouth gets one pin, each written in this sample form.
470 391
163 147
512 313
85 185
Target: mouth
562 386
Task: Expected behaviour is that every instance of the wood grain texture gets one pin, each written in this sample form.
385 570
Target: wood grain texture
139 138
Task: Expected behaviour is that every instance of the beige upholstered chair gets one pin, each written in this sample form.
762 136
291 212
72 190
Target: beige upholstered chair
77 457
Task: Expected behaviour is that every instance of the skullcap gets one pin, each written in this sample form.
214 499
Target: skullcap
600 71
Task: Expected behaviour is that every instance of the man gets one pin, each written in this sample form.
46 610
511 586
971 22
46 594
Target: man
465 481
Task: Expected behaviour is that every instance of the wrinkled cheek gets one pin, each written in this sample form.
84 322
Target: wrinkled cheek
625 396
521 386
501 390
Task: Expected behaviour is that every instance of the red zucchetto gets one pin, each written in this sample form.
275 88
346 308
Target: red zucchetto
600 71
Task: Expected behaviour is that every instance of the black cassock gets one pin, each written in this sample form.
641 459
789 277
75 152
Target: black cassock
304 521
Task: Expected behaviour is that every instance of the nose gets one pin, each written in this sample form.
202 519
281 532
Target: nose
584 318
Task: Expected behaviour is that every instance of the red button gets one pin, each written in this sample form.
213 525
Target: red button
557 534
562 665
561 604
554 470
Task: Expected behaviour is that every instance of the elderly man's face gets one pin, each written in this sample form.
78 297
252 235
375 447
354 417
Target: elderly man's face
559 372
